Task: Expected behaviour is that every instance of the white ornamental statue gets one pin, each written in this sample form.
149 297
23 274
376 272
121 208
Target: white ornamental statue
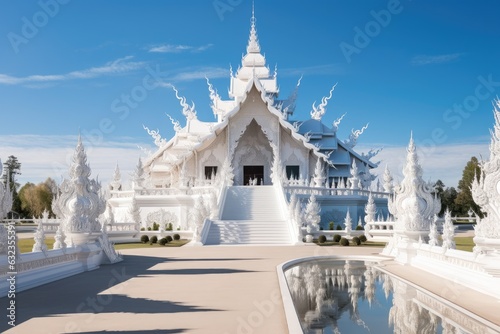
5 195
39 237
276 168
486 194
413 204
198 215
354 179
312 217
227 174
433 233
348 224
448 232
319 174
5 207
116 184
138 176
59 238
388 181
370 209
80 202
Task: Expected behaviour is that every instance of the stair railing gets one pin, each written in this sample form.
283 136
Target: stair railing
280 191
221 198
207 223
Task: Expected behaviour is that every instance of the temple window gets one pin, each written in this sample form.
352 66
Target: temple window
292 171
209 171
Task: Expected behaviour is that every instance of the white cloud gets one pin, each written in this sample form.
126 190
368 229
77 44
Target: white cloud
444 162
326 69
194 73
117 66
50 156
189 74
178 48
439 59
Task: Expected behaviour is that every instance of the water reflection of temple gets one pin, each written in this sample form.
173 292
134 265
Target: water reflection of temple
325 292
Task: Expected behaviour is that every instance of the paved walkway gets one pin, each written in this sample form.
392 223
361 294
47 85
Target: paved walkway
217 289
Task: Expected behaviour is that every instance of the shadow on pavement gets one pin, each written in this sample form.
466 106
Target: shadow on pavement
81 293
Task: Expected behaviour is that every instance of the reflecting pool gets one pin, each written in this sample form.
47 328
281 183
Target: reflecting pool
342 296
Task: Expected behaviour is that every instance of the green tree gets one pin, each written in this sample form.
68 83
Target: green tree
12 168
464 200
35 199
439 188
448 201
24 198
447 196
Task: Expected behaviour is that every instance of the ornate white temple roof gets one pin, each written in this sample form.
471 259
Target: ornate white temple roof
253 65
254 74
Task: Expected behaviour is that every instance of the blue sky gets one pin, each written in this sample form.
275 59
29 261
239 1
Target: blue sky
70 66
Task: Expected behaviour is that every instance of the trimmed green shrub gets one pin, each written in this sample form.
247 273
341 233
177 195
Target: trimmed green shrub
344 242
331 225
356 241
362 238
360 228
163 241
322 239
143 229
149 228
321 228
336 237
156 227
144 239
168 227
177 237
339 228
169 238
153 239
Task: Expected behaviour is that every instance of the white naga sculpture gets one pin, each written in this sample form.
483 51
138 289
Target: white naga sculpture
318 111
353 137
80 202
486 193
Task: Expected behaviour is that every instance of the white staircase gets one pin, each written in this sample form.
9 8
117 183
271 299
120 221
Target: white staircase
251 215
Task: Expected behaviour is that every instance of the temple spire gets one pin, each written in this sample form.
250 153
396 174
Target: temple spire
253 42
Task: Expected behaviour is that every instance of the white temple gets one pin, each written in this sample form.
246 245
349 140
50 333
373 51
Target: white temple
251 159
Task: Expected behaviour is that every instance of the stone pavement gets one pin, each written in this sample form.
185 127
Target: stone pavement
214 289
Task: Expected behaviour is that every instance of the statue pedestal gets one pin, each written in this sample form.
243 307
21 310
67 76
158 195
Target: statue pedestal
81 238
488 254
406 246
487 246
405 251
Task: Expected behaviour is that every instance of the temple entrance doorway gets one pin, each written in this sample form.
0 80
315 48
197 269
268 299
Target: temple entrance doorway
253 175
